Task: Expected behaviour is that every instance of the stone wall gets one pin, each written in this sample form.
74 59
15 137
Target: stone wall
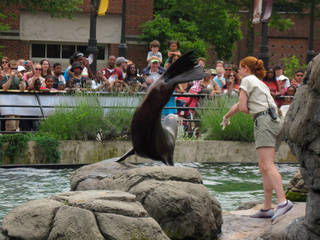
79 152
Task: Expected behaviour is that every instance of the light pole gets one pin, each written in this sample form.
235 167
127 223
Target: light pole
264 49
92 43
123 46
310 52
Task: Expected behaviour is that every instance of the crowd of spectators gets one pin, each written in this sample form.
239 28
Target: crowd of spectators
122 75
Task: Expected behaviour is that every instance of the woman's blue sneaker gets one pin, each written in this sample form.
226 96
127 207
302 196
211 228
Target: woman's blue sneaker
268 213
283 209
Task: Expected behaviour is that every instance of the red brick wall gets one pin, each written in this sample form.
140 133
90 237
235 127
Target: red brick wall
282 44
15 49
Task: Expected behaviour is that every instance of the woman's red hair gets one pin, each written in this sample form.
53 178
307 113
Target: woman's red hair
255 65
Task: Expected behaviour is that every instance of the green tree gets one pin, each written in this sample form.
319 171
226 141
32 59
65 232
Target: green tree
196 24
57 8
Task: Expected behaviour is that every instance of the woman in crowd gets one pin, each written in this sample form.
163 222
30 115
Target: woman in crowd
271 81
46 69
256 100
135 83
77 77
233 84
36 75
287 98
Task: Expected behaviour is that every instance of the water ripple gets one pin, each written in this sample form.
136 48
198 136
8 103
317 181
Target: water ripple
231 184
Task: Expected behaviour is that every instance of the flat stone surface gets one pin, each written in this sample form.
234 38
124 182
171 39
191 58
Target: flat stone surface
74 223
82 215
32 220
174 196
237 225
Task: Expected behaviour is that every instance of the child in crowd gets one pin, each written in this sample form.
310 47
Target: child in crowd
49 83
173 51
154 46
220 77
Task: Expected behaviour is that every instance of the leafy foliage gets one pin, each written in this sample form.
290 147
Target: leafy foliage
196 24
58 8
240 129
14 146
291 65
86 120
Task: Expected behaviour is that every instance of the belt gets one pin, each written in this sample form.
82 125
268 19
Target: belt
260 114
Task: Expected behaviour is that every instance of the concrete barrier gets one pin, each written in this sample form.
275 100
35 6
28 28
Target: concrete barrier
82 152
78 152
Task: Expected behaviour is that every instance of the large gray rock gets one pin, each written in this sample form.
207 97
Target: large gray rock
83 215
297 190
174 196
302 130
32 220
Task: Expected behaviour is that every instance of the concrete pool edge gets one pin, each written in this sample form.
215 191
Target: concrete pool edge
85 152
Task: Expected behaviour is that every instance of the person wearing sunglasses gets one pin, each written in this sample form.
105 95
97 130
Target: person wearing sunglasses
5 65
12 81
36 75
298 76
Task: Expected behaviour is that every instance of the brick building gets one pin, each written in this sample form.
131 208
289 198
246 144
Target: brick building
281 44
37 35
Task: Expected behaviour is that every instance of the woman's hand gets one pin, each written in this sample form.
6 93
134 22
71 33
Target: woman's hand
225 122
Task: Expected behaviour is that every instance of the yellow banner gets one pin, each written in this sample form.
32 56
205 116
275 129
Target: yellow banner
103 7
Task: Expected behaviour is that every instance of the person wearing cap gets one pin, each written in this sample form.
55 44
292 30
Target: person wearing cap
154 72
280 77
86 70
57 75
118 75
12 81
77 77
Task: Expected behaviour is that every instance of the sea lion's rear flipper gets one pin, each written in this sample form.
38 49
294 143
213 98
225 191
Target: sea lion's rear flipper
126 155
183 70
122 158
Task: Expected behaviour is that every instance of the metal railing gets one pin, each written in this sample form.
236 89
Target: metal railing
42 107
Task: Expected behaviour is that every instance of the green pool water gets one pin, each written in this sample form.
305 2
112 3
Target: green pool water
231 184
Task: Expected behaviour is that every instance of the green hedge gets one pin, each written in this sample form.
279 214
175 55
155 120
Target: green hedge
240 129
88 119
14 146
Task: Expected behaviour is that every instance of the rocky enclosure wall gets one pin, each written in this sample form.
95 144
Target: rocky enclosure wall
77 152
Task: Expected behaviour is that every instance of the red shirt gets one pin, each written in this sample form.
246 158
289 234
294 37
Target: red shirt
107 72
117 71
272 86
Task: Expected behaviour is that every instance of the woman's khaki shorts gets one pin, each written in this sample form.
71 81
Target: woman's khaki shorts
267 132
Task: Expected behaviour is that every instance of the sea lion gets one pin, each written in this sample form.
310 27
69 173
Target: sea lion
152 137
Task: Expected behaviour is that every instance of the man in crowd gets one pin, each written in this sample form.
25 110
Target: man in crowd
154 72
12 81
297 81
108 70
118 75
280 77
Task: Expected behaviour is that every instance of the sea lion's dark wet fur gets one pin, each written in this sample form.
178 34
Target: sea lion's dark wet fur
151 137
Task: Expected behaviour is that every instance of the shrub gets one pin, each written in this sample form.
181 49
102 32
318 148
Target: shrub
87 119
240 128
